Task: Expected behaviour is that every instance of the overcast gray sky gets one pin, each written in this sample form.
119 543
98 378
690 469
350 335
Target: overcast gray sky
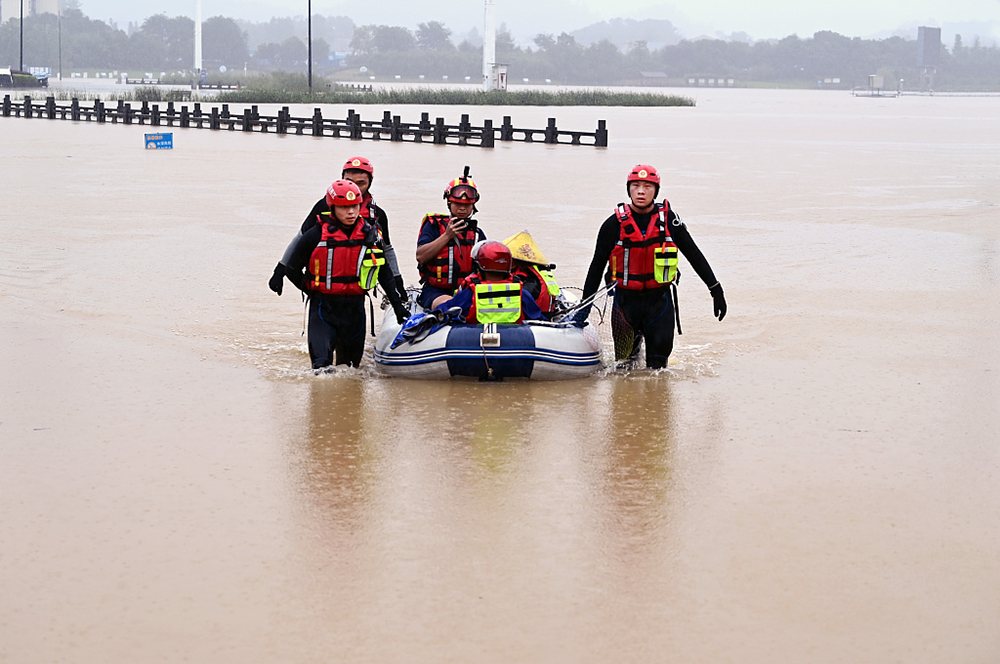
761 19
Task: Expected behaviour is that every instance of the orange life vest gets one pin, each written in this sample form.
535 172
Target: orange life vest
369 210
337 262
529 272
642 260
455 260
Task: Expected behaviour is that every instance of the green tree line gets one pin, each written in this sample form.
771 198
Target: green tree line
792 61
163 44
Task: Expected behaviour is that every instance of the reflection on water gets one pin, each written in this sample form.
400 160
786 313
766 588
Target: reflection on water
585 467
336 466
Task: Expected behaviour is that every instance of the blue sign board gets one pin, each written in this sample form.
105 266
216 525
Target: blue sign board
159 141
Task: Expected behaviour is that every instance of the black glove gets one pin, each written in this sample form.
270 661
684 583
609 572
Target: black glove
402 313
372 236
718 301
397 282
277 279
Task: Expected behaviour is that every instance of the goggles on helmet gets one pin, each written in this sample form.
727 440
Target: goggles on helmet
462 193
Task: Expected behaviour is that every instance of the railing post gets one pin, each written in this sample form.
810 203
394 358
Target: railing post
6 106
50 107
488 137
317 123
100 111
506 129
397 130
145 112
154 116
128 114
601 137
355 121
248 120
225 112
74 110
551 133
464 129
386 119
213 121
185 117
27 106
440 136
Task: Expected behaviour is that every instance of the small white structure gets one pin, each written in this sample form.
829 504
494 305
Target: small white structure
494 75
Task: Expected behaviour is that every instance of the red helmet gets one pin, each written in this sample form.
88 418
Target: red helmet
358 164
462 190
643 173
494 256
343 192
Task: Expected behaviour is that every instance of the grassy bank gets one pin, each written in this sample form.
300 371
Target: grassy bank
383 97
430 96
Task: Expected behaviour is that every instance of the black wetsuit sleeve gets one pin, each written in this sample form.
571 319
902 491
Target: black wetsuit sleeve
383 224
607 237
310 220
299 259
685 243
386 281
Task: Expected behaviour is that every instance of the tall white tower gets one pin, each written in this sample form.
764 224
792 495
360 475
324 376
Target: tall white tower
197 38
489 48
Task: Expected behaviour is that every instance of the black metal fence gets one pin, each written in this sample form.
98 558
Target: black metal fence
389 128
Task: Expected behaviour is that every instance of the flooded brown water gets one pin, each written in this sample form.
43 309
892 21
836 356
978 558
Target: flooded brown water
813 479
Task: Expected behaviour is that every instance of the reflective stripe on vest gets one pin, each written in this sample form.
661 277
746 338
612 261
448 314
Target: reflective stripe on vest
497 302
550 282
453 262
647 260
549 288
369 263
338 260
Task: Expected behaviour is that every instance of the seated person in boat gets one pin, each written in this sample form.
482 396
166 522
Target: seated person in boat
335 262
534 273
444 245
493 295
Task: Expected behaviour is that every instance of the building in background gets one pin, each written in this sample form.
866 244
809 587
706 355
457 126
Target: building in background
12 8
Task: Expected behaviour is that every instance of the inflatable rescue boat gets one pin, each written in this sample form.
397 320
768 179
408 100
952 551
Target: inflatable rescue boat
440 345
436 345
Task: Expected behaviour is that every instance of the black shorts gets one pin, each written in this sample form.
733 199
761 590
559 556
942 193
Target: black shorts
430 293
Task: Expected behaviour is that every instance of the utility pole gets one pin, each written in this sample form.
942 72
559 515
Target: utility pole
309 38
60 39
20 66
197 39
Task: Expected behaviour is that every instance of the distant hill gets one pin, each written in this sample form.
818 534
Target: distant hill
622 32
